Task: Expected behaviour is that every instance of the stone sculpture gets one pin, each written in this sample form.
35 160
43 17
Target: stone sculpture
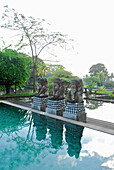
75 105
56 100
58 90
75 94
42 88
40 98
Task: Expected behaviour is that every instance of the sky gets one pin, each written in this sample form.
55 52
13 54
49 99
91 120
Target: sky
89 22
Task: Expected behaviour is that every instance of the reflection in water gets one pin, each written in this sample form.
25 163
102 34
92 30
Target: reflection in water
90 104
40 122
73 133
56 130
33 141
12 119
73 137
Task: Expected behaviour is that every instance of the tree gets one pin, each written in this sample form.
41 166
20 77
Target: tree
63 74
91 82
109 84
43 69
91 79
14 69
95 69
101 77
32 34
111 76
91 86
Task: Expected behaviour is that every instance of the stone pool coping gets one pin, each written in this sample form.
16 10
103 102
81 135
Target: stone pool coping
100 125
100 99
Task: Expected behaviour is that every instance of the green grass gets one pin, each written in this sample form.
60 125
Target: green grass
106 92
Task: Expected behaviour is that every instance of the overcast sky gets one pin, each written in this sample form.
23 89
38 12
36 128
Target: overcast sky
89 22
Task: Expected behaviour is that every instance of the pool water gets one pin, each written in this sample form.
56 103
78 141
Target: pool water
100 110
29 141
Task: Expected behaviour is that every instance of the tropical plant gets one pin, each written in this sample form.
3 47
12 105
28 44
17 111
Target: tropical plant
101 77
14 69
43 69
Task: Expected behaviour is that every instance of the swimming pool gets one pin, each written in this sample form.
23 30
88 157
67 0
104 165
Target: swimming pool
100 110
29 141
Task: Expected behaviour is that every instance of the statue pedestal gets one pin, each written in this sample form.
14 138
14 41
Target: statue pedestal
75 111
40 103
56 107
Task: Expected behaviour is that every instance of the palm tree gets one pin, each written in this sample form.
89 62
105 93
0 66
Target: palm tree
43 69
101 77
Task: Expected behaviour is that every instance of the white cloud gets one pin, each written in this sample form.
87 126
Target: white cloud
97 142
109 164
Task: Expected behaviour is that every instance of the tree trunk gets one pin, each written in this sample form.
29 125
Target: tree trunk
15 88
100 82
7 89
34 77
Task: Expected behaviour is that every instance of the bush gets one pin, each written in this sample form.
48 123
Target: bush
101 88
91 86
109 84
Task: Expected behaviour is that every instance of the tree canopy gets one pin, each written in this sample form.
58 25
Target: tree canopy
14 69
95 69
63 74
91 82
33 33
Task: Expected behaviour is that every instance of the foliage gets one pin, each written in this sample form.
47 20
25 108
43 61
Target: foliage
63 74
109 84
32 34
101 77
98 75
95 69
91 82
91 86
14 69
101 88
43 69
92 79
111 76
30 80
18 94
105 91
2 87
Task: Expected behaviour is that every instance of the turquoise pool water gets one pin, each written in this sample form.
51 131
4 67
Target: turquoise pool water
29 141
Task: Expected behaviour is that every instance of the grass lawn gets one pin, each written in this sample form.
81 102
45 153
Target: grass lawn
106 92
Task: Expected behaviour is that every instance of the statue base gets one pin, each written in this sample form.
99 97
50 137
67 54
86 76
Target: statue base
56 107
40 103
55 112
75 111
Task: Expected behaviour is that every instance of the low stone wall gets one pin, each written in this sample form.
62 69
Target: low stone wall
15 96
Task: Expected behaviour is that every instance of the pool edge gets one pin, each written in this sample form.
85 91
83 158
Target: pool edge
100 125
